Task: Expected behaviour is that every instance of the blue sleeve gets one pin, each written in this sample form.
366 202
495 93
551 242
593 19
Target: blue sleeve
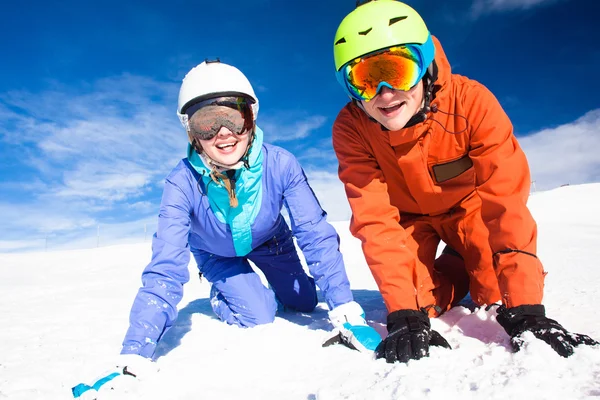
155 307
317 239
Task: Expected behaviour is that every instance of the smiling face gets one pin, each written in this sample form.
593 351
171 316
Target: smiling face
394 108
226 148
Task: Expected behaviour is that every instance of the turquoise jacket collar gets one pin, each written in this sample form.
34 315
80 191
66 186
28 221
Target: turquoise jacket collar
249 193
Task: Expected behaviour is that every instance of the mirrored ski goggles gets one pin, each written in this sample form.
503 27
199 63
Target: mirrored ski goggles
398 68
206 118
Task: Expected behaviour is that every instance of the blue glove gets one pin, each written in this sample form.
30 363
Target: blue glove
353 331
130 369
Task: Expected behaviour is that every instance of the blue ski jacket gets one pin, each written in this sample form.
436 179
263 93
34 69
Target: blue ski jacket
195 214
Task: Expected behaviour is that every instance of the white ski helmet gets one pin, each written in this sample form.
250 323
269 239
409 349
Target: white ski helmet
213 79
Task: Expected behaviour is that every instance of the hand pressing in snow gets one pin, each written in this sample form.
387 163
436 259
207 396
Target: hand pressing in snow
352 329
129 370
409 337
532 318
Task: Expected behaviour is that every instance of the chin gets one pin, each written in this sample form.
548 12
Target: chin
395 124
230 159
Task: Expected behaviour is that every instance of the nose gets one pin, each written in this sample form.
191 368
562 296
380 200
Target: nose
223 132
386 92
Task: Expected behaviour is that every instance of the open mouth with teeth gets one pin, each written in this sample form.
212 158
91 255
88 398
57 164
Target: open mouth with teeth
391 110
226 147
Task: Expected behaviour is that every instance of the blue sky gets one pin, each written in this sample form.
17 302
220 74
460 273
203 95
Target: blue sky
88 96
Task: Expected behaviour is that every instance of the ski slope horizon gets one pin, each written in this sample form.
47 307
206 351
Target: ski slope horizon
66 313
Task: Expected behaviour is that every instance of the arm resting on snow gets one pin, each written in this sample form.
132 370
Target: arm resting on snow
317 239
155 307
374 220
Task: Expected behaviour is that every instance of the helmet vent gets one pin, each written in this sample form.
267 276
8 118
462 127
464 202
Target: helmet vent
397 19
365 33
342 40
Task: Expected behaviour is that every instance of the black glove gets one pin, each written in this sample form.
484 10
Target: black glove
409 337
516 320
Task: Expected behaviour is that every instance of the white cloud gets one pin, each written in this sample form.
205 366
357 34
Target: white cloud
480 7
319 151
21 245
290 127
40 219
105 234
567 154
66 225
331 194
104 144
108 187
145 206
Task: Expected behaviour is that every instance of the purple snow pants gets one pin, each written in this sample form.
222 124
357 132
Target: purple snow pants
238 296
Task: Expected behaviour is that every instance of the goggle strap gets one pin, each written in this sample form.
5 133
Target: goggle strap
185 121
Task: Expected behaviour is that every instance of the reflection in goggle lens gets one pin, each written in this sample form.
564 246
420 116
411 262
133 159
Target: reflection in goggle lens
209 116
397 67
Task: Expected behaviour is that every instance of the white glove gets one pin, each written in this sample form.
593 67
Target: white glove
353 331
129 370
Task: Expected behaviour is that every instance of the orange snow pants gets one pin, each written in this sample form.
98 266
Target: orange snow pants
441 283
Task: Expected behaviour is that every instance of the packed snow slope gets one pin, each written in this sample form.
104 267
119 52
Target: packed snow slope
64 315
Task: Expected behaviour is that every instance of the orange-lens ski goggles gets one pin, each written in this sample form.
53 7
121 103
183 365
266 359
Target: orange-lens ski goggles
209 116
397 67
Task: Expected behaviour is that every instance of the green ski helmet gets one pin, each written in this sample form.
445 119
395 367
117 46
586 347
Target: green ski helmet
377 25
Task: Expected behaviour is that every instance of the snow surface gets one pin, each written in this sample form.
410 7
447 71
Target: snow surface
64 315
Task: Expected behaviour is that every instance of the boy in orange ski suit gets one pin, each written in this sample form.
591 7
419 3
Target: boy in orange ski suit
436 161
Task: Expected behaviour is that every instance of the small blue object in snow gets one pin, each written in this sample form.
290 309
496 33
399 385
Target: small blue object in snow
82 387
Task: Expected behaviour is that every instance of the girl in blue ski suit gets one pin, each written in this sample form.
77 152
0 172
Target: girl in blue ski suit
197 216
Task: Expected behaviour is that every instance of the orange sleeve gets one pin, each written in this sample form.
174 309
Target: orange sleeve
503 183
374 220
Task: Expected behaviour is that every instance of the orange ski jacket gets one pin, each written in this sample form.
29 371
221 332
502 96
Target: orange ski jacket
432 168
